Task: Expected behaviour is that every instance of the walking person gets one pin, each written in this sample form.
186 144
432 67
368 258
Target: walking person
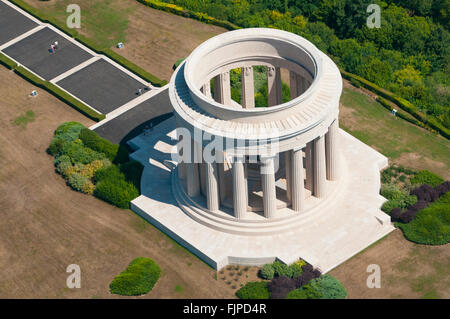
52 48
55 45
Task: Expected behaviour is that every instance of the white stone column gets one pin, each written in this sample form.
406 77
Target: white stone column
181 170
331 148
192 179
274 86
319 189
222 90
248 87
181 165
288 172
221 174
240 190
268 186
202 170
206 89
304 85
298 189
297 84
309 164
212 187
192 172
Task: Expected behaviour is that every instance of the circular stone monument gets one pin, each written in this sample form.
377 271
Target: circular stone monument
274 166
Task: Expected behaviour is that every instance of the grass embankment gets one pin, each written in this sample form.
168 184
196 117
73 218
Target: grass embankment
402 142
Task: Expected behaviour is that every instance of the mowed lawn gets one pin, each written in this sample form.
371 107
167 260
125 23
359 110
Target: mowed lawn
401 141
408 270
152 39
45 226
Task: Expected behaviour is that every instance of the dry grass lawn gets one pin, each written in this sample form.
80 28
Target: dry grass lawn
45 226
408 270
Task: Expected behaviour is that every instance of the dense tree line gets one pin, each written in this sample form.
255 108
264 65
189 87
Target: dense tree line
408 55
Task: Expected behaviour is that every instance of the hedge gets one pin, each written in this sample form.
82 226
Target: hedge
90 44
254 290
399 113
138 279
114 152
4 60
400 102
117 192
431 226
200 16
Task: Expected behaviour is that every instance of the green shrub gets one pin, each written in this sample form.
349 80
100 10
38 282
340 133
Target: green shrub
77 181
408 201
390 205
295 269
114 152
69 131
392 192
281 269
431 226
355 82
56 146
304 292
117 192
78 153
329 287
59 159
132 171
426 177
139 278
63 167
254 290
108 173
267 271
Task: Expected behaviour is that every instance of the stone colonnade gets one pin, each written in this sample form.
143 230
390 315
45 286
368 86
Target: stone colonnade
306 166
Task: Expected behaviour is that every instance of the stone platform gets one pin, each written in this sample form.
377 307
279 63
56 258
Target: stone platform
345 224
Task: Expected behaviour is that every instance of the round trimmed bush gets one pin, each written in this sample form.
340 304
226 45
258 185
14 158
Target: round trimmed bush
254 290
116 191
139 278
69 131
267 271
328 287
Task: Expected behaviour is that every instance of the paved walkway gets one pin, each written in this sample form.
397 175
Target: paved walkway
342 227
100 83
